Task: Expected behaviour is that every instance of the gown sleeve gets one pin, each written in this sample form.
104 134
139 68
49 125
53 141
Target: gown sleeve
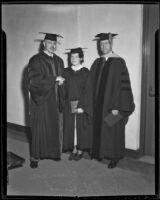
61 87
123 97
40 86
63 90
126 103
86 100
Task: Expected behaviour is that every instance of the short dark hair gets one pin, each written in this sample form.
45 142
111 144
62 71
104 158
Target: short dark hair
41 46
81 55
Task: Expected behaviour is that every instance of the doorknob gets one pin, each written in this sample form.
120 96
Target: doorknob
151 94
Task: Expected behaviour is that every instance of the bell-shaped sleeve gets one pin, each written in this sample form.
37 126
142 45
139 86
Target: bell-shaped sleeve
122 96
86 102
126 100
40 86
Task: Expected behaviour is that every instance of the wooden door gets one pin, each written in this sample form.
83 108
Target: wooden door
150 29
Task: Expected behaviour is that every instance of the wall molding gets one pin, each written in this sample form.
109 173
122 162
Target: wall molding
17 127
133 153
25 129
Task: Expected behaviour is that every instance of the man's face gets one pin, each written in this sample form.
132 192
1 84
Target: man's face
75 59
50 45
105 46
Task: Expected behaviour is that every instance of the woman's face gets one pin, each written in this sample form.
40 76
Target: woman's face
75 59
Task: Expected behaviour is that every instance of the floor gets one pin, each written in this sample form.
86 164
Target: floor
83 178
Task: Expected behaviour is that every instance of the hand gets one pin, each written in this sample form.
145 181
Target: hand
74 110
80 110
115 112
60 80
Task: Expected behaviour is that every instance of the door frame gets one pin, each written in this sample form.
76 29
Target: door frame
145 63
145 69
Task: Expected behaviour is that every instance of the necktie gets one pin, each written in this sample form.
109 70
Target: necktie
102 61
101 65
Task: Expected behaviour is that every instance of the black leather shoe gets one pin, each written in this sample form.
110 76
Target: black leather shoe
34 164
112 164
78 156
72 156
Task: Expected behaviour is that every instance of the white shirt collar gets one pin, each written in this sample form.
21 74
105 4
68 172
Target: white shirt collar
49 54
77 67
108 55
111 54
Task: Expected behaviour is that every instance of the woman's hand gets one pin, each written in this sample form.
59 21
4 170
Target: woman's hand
79 110
60 80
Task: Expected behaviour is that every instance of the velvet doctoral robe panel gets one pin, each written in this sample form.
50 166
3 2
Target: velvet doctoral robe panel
112 91
77 87
44 105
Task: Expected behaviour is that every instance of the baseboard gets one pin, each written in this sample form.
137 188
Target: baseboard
17 127
133 153
129 152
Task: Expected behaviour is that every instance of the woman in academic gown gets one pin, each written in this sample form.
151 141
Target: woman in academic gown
77 128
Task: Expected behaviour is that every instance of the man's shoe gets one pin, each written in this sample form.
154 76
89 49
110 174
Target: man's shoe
34 164
78 156
72 156
112 164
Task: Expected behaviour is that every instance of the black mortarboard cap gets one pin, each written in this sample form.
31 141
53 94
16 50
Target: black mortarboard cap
76 50
51 36
105 36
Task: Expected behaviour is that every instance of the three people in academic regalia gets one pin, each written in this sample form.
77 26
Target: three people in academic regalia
45 79
112 101
77 127
96 104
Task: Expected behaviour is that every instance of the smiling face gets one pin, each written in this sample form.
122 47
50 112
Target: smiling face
105 46
75 59
50 46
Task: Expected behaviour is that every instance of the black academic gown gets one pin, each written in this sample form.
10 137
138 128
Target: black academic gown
44 105
77 86
112 91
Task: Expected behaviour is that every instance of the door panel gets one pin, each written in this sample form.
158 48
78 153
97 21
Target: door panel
151 13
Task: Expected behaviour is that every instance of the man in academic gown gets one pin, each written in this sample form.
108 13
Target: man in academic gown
45 74
113 102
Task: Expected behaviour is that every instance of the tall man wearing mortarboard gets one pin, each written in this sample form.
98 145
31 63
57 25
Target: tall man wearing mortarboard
45 79
113 101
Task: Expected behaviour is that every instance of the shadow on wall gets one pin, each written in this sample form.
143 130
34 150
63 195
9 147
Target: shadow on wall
98 48
26 101
25 94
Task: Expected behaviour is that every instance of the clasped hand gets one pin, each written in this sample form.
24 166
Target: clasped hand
78 110
60 80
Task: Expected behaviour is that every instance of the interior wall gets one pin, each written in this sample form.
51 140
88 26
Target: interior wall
126 21
22 24
78 24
